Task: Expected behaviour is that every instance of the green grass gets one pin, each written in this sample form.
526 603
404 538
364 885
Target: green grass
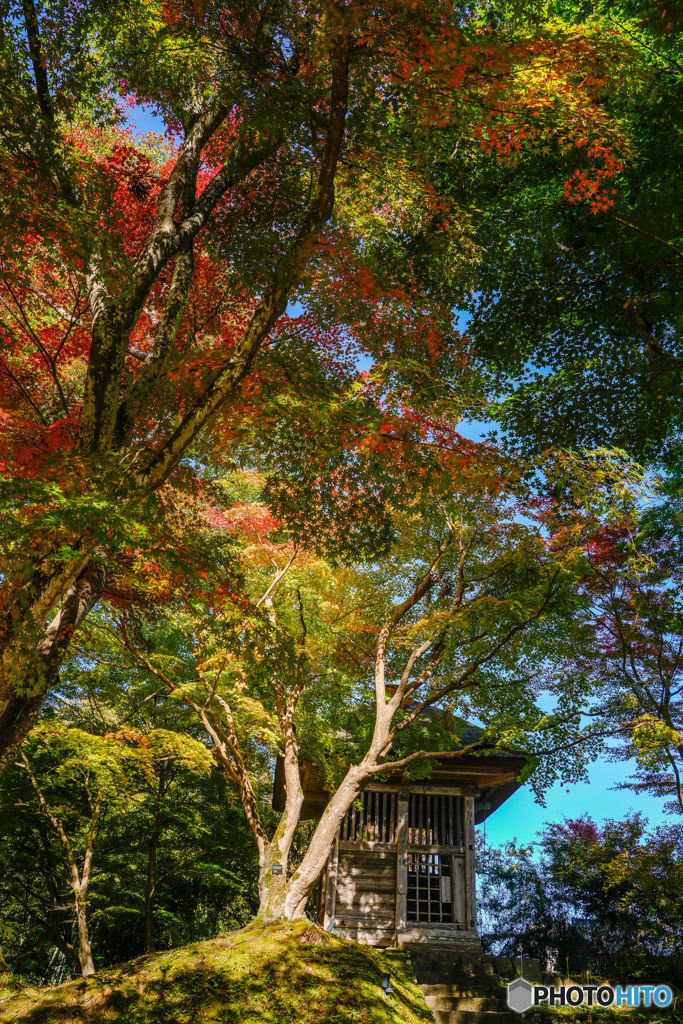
279 974
11 985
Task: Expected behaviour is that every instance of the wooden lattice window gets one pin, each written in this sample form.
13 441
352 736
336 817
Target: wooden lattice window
430 896
436 820
371 819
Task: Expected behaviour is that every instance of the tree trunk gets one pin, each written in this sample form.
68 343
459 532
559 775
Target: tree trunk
149 896
309 871
80 889
17 717
79 882
273 867
274 856
272 887
152 848
284 897
18 713
84 952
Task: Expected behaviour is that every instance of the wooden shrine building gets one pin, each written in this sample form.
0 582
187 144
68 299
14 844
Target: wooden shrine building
402 869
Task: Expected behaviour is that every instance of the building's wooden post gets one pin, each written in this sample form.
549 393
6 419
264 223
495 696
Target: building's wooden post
470 880
322 898
331 887
402 861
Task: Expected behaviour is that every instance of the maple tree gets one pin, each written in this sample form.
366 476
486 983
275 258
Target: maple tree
289 631
634 661
625 660
145 285
590 292
168 860
626 879
96 767
454 623
587 897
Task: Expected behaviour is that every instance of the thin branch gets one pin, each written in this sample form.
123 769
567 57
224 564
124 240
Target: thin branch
54 821
277 579
457 684
642 231
422 755
18 384
287 273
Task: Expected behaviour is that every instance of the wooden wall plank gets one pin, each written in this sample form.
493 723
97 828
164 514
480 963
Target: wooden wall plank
459 891
401 859
369 847
469 863
383 916
330 895
451 830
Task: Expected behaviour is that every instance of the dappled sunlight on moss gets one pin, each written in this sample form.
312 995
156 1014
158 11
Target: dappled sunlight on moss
265 975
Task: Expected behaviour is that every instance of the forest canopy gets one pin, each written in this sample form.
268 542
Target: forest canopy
242 518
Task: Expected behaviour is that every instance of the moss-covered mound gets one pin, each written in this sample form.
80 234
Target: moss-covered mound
273 974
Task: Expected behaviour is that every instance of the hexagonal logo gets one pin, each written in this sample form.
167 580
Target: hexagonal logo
520 995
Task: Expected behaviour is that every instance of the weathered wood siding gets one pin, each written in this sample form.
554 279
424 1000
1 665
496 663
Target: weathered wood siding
365 906
402 868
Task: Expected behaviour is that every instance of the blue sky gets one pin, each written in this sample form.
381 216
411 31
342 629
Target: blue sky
143 120
521 817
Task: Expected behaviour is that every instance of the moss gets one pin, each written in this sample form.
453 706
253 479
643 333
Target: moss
12 984
623 1015
263 974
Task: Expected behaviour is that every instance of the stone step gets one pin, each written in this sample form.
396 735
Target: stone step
471 1017
461 988
463 983
463 970
454 991
475 1003
450 956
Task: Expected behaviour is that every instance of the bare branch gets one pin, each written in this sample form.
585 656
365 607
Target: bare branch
458 684
279 576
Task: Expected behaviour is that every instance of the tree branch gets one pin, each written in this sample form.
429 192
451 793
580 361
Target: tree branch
287 273
642 231
113 322
44 99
